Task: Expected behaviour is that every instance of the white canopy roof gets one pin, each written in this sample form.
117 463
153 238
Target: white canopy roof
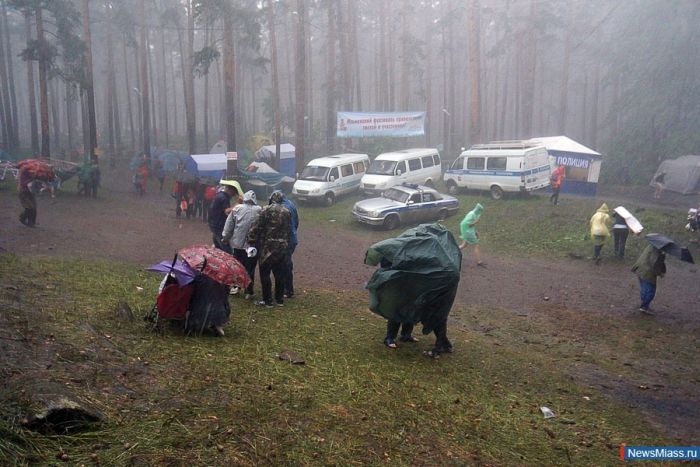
207 162
563 143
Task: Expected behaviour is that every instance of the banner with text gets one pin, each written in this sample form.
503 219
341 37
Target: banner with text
367 124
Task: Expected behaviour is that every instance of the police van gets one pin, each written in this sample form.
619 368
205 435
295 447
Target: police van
421 166
500 167
326 178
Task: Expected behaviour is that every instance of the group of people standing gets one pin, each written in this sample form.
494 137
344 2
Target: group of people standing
257 236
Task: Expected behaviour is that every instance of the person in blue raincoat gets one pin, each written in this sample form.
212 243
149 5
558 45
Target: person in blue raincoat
417 280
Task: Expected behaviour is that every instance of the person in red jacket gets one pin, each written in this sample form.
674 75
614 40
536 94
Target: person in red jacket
555 181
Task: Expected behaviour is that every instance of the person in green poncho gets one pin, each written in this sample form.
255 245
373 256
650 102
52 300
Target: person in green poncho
468 233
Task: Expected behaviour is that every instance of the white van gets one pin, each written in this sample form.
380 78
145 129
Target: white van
326 178
500 166
419 166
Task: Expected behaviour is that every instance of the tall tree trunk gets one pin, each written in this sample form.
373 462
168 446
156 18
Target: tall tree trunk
55 112
475 72
352 16
206 96
331 123
129 111
43 88
189 92
31 93
383 96
8 118
11 75
528 82
70 108
163 87
594 107
89 86
111 90
152 93
564 86
145 100
229 88
300 86
275 77
404 84
173 86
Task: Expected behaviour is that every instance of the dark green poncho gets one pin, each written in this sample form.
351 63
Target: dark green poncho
418 277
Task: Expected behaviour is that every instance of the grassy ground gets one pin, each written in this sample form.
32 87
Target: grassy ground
526 226
176 400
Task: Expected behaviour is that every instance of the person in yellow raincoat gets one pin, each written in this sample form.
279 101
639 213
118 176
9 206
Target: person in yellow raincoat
600 230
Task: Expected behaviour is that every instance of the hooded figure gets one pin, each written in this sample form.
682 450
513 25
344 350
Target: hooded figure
291 246
468 233
417 280
600 222
238 224
649 266
270 236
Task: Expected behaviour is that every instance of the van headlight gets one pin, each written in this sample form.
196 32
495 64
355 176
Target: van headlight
316 190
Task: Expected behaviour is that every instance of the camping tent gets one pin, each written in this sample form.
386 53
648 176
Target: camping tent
220 147
287 157
582 164
206 165
682 174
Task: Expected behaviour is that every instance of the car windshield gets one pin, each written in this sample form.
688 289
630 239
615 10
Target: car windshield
314 172
381 168
395 195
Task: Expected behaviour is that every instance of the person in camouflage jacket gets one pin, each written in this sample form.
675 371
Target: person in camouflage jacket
270 234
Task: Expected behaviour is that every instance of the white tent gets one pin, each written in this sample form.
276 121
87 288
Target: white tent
287 157
209 162
582 164
219 147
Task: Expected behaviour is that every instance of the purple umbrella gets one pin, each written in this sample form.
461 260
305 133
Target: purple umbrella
183 273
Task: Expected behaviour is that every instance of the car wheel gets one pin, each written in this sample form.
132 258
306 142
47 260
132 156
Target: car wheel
442 215
496 192
391 222
329 199
452 188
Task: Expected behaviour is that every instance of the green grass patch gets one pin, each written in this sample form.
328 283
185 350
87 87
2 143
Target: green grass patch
170 399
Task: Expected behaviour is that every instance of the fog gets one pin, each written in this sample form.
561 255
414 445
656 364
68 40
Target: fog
619 77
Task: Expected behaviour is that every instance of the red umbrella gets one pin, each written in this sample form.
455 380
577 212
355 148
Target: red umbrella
215 264
37 169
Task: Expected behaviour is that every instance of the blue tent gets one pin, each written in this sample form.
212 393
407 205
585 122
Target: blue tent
206 165
582 164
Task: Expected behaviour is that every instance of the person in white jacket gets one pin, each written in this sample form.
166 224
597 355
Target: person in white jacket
238 223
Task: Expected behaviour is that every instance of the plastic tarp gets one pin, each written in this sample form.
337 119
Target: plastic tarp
206 165
418 276
682 174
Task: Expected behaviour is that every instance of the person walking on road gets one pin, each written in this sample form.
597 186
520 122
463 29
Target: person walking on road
599 224
649 266
468 233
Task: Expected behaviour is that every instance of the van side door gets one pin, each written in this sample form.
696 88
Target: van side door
476 166
346 173
414 167
401 172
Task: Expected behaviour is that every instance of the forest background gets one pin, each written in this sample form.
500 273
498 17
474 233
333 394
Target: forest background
125 76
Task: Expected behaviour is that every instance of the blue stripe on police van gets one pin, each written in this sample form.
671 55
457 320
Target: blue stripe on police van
499 173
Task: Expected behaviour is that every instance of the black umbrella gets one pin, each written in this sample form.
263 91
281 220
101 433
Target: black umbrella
669 246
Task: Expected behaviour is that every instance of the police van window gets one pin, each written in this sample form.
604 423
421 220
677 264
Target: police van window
436 159
414 164
401 166
427 161
475 163
458 163
333 173
415 197
346 170
496 163
359 167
